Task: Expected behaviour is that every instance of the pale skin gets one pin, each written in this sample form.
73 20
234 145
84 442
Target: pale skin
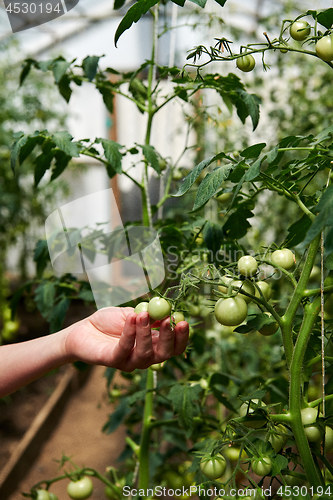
113 336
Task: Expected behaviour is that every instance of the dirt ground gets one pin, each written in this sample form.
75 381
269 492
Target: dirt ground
79 436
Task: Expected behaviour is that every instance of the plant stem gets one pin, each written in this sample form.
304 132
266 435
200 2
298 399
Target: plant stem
298 294
143 481
295 396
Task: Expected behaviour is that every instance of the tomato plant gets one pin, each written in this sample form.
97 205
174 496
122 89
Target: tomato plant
230 264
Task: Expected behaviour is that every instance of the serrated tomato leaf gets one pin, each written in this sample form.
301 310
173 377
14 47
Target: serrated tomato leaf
211 185
324 209
133 15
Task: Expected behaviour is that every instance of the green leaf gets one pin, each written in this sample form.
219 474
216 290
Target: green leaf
210 185
42 164
26 68
90 66
32 141
278 464
59 69
251 107
297 231
181 3
253 151
64 88
150 154
118 4
237 224
221 2
324 135
325 17
62 160
64 141
16 148
58 314
41 256
254 169
107 94
184 399
200 3
113 155
190 179
324 217
44 297
133 15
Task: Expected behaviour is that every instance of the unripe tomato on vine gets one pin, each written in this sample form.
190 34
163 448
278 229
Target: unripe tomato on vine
213 467
299 30
159 308
284 258
80 489
247 266
231 311
324 48
261 466
246 63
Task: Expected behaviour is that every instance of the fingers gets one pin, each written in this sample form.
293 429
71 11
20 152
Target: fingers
181 337
144 346
166 342
127 339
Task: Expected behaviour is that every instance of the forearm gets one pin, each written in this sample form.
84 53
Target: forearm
24 362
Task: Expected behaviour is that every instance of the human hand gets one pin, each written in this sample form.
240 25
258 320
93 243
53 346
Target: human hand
118 337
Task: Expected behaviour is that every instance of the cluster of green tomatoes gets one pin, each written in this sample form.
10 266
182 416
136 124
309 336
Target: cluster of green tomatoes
81 489
232 311
299 30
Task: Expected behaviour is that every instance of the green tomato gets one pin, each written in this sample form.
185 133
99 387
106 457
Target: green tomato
159 308
157 367
173 479
265 289
328 438
231 311
256 421
247 286
313 433
261 466
278 437
284 258
178 316
53 496
324 48
108 492
213 467
309 415
246 63
232 453
247 265
141 307
42 495
299 30
270 328
81 489
224 198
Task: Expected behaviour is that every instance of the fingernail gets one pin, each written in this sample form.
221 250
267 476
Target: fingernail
145 320
183 328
